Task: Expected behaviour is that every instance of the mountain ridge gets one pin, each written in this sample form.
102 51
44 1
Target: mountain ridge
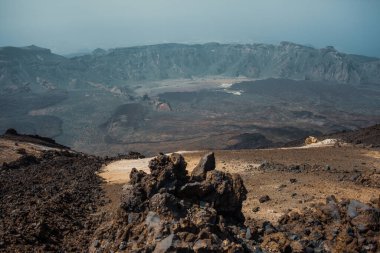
42 69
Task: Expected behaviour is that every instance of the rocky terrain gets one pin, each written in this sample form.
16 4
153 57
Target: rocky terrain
170 211
49 195
46 202
366 136
298 199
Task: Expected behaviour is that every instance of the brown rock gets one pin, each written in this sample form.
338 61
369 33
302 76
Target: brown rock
264 198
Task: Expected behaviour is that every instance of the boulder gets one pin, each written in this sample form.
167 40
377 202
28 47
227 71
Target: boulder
207 163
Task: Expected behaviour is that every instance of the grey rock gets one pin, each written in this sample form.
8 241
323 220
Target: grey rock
123 245
164 245
355 207
96 243
207 163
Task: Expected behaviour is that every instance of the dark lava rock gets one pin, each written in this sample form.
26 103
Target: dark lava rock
295 168
256 209
207 163
369 136
264 198
364 178
346 226
173 212
130 155
23 161
270 166
12 134
47 204
11 131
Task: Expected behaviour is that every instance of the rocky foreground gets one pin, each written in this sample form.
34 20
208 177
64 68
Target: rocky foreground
52 200
170 211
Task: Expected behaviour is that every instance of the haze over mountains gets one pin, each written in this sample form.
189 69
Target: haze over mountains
36 66
209 95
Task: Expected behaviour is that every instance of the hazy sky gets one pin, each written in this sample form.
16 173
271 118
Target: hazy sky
67 26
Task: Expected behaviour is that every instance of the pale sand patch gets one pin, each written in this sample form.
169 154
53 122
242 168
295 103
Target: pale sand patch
319 144
373 153
324 143
118 172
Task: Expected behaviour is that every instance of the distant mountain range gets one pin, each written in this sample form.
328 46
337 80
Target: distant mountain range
37 68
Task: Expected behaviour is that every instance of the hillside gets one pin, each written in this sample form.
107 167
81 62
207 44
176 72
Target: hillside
38 68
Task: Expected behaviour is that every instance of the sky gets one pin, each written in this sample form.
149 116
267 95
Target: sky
71 26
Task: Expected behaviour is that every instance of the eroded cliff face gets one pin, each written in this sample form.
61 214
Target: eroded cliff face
39 68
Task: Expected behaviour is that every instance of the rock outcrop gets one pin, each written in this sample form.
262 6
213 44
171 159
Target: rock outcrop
169 211
207 163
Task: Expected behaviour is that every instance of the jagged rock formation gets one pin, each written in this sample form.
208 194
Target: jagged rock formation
169 211
21 68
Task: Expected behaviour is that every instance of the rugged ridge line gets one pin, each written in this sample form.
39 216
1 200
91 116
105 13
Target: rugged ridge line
38 67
